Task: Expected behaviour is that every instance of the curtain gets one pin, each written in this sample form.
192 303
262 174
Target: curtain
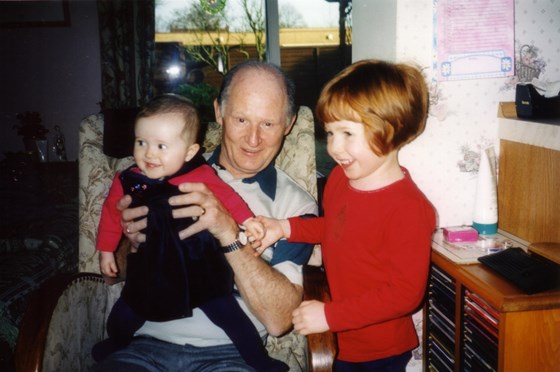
127 38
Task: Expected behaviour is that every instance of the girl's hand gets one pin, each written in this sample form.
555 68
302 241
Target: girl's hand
310 317
275 230
254 229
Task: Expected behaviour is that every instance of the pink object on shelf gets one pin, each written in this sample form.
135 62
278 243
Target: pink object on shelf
460 234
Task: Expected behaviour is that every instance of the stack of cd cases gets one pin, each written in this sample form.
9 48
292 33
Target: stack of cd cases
441 321
480 343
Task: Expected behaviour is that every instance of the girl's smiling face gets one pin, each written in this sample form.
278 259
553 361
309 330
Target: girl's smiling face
349 147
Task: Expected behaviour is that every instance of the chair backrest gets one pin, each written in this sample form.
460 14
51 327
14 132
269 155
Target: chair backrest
97 170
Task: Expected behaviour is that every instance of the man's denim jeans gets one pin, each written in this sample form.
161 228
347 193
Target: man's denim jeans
149 354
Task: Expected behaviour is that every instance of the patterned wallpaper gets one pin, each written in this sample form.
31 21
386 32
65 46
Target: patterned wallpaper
463 114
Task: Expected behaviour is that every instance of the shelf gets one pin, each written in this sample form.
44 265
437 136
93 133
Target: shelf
541 133
530 133
500 293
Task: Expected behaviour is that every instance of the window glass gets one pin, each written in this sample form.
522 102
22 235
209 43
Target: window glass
308 13
197 41
310 48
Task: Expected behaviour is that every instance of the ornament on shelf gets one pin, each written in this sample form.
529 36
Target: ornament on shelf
59 146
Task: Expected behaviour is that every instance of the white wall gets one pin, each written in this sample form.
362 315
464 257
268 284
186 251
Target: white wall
53 70
467 109
374 29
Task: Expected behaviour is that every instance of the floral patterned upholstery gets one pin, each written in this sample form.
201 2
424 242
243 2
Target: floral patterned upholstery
96 174
87 300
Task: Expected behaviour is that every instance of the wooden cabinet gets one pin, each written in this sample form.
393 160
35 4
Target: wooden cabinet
529 180
475 320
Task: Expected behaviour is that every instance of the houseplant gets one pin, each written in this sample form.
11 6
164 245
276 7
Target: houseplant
202 95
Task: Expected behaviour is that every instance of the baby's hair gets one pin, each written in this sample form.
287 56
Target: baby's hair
389 99
173 103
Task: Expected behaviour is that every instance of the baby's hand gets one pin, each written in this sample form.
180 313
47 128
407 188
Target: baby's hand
107 264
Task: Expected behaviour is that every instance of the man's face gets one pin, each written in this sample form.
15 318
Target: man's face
254 123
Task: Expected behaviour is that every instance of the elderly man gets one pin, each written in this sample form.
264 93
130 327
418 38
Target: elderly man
256 110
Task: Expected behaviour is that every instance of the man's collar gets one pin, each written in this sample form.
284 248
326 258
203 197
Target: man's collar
266 179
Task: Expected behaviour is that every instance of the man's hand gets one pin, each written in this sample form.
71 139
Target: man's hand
197 202
130 225
310 317
200 203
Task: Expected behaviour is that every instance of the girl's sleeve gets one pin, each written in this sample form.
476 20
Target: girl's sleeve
236 206
110 231
307 229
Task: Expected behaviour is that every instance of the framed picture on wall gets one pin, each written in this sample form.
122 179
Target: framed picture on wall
36 13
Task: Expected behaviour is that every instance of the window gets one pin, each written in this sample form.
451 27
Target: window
199 40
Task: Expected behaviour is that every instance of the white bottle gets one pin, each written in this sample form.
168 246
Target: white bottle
485 218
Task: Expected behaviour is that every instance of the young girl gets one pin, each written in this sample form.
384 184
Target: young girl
377 225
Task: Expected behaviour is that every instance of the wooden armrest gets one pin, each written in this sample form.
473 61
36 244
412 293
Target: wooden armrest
322 347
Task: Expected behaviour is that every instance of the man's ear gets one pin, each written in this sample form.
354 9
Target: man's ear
289 127
191 151
218 112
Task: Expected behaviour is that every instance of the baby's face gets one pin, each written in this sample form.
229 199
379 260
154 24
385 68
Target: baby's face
160 148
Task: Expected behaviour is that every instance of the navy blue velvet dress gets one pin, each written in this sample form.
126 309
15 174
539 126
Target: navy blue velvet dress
168 277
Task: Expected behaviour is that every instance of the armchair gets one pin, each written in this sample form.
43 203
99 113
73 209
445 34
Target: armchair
66 317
